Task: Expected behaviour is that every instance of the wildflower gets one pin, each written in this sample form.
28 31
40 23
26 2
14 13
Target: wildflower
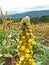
22 58
18 34
23 48
20 62
27 56
27 50
17 63
21 31
30 30
18 47
23 37
33 42
30 46
30 40
27 34
18 53
32 63
20 42
31 34
25 43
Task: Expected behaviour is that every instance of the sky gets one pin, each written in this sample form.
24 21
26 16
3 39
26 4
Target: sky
20 6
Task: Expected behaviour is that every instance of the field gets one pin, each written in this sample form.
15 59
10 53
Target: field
9 42
42 30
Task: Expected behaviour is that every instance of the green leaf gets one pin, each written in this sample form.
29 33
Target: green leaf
8 55
38 63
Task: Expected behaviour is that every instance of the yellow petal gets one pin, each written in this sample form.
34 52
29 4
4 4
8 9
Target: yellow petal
31 34
27 56
23 37
17 63
27 34
23 47
27 50
30 40
22 58
33 42
20 42
33 63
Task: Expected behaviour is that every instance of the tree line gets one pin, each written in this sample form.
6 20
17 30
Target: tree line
35 20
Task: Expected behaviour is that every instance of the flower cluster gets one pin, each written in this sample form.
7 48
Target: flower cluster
25 43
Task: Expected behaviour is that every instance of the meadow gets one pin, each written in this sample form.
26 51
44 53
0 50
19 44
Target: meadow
42 30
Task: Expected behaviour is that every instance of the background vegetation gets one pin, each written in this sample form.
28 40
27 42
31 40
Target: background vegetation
35 20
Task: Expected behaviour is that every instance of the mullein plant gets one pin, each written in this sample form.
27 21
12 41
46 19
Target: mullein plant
5 28
25 43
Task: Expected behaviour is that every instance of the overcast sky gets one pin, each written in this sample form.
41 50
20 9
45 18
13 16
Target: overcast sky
20 6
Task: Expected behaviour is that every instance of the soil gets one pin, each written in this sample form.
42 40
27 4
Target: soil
10 61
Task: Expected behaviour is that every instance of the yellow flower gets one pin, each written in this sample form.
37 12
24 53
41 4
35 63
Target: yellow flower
20 62
31 34
30 46
27 56
33 42
18 34
31 52
18 47
23 37
33 60
33 63
20 42
21 31
22 58
23 48
27 50
18 53
30 40
24 63
17 64
25 43
30 30
27 34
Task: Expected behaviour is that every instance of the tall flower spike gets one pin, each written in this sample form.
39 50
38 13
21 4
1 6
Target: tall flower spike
25 43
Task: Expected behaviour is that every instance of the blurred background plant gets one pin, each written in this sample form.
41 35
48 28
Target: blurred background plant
8 44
